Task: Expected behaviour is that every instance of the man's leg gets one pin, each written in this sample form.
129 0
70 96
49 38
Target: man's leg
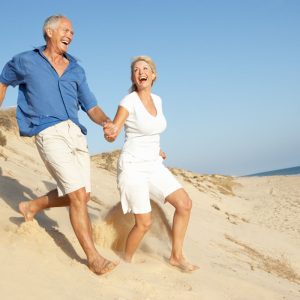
82 227
30 208
79 219
70 169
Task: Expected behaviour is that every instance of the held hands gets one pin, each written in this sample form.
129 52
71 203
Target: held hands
110 131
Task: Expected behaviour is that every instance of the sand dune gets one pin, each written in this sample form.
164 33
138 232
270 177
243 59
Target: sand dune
244 234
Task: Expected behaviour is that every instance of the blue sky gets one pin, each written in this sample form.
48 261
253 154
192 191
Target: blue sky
228 72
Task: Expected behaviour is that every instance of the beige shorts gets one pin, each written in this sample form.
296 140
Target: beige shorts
140 181
64 151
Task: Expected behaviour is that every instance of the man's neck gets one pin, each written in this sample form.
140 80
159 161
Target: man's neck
54 56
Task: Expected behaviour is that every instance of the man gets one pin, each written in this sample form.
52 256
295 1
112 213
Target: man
52 87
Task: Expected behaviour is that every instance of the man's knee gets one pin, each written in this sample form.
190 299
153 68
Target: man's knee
79 197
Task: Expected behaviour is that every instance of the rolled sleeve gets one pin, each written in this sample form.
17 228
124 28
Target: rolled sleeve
86 98
12 72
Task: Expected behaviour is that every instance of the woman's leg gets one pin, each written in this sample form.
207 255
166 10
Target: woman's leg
142 225
183 205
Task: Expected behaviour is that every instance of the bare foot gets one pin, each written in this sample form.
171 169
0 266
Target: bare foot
183 265
134 260
25 211
101 267
127 259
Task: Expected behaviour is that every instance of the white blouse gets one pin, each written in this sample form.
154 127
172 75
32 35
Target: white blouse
142 130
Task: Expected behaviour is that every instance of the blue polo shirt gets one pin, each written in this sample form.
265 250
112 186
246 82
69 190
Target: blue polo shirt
44 98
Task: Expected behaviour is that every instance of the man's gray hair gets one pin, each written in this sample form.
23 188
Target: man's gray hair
52 23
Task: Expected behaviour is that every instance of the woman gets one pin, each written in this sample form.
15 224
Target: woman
141 173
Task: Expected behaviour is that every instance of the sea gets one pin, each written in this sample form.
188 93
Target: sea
287 171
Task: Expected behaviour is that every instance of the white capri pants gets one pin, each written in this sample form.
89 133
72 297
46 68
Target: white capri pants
140 180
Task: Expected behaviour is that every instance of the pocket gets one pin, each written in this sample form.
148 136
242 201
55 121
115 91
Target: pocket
124 164
120 164
83 142
49 131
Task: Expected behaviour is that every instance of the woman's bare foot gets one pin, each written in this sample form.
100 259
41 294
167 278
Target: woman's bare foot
127 258
102 266
134 260
183 265
24 208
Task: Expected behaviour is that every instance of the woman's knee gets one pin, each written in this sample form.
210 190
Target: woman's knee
144 224
186 204
181 201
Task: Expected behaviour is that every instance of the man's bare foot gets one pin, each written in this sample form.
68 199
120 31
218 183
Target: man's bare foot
103 266
25 211
183 265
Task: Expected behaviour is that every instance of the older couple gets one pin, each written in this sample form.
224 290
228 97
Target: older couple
52 87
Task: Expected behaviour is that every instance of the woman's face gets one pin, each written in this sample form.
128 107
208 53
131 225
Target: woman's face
142 75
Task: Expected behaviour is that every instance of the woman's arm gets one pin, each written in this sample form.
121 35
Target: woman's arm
118 122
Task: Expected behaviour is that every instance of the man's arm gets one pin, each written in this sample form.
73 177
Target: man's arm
97 115
3 89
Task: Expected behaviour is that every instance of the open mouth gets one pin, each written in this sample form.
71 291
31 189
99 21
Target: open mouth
65 42
143 79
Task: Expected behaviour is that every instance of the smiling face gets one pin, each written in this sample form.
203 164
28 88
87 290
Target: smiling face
142 75
60 36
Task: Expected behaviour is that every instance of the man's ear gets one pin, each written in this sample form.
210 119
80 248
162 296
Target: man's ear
49 32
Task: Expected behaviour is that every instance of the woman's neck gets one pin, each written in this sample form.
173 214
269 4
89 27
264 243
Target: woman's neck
145 95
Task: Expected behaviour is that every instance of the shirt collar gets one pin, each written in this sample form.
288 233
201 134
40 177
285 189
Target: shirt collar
41 49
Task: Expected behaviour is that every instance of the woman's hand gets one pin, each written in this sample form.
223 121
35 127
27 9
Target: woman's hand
162 154
110 131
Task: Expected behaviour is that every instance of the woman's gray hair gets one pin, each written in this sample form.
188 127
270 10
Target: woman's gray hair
52 23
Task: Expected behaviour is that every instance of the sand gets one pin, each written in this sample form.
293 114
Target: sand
244 234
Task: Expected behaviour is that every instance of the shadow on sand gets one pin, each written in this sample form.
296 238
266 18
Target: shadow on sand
13 192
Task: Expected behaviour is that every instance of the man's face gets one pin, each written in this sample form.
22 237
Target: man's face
61 36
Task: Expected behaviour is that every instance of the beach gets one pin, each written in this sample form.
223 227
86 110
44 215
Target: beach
244 234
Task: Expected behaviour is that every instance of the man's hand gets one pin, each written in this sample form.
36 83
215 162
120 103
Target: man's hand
110 131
